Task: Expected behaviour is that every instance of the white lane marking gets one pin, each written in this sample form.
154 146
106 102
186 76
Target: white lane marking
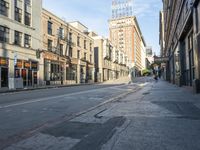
52 97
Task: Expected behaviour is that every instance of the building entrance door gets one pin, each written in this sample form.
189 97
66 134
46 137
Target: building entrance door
24 77
30 77
35 78
4 77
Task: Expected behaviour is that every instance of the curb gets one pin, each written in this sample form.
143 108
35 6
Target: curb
50 87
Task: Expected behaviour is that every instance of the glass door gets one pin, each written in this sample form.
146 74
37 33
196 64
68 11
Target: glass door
24 77
4 77
30 78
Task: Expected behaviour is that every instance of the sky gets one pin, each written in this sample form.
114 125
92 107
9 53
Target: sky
95 15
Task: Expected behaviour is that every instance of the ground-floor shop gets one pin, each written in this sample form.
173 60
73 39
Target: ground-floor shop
27 71
54 69
18 74
4 64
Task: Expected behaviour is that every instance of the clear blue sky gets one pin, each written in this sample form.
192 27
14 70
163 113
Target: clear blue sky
96 13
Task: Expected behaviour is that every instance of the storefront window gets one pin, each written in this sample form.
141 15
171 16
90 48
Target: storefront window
90 74
55 72
3 62
71 72
27 65
17 73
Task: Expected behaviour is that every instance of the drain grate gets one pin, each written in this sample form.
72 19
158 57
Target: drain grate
146 93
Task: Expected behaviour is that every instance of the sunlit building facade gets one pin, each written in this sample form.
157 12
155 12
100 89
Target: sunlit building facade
182 38
67 51
20 38
125 34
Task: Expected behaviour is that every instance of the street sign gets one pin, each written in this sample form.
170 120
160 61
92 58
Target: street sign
161 59
15 59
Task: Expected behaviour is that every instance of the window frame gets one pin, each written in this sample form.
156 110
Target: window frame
49 28
78 54
18 14
4 6
18 38
61 49
27 40
49 45
27 18
78 41
5 34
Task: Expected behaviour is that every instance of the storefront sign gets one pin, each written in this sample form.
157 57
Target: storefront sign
34 65
3 62
27 65
161 59
19 64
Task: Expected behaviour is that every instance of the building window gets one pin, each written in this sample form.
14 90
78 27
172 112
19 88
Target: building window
27 40
61 49
4 6
70 36
61 33
27 19
27 2
78 54
90 58
50 46
85 56
4 34
18 14
18 38
84 44
49 28
90 47
70 52
78 41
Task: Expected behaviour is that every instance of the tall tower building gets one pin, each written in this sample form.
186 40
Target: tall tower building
126 36
122 8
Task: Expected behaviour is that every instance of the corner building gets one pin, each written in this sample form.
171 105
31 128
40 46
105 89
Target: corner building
20 38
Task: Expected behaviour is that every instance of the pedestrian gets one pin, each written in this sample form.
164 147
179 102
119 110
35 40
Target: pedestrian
159 73
155 74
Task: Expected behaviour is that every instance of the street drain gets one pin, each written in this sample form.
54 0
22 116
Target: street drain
146 93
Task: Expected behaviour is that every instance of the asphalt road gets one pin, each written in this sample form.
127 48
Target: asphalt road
24 112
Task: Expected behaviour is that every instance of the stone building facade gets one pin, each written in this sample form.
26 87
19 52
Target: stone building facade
110 63
20 38
67 51
125 34
182 38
